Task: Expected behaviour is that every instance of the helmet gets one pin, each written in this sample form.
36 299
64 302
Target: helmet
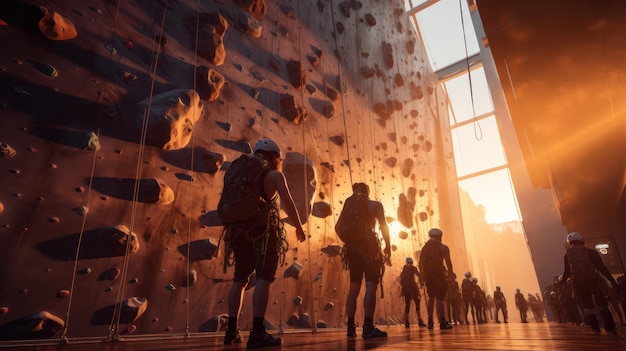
468 274
435 232
409 260
475 280
267 145
517 290
574 236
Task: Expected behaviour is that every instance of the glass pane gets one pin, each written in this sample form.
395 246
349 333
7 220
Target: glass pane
494 192
440 25
477 147
461 96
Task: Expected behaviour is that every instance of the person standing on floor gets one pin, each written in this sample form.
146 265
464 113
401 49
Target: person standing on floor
522 305
467 290
355 227
436 276
410 291
500 302
585 265
454 301
256 244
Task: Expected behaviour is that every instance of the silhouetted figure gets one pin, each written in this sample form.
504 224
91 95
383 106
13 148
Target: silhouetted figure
365 258
454 301
436 276
479 301
535 308
500 302
557 308
522 305
410 291
467 290
251 257
569 302
585 266
489 307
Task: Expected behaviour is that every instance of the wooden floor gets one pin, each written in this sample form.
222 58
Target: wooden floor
512 336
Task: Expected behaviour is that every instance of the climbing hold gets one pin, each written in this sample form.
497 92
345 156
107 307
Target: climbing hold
6 150
297 301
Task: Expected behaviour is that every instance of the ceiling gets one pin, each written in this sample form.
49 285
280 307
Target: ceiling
562 66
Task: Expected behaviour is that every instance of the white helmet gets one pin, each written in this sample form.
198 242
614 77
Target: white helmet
574 236
435 232
267 145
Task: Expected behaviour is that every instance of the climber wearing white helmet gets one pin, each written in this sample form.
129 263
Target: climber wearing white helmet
262 260
584 265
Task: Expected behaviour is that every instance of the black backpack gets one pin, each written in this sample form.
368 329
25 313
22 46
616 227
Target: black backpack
431 258
355 228
406 277
242 196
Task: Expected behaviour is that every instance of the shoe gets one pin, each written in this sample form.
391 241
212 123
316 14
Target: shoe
261 338
445 325
406 324
421 323
497 321
373 333
430 324
506 321
232 337
351 330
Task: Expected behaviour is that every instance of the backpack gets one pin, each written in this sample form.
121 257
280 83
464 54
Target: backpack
242 196
355 226
406 277
580 264
431 258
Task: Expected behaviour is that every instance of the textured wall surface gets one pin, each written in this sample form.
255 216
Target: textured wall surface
373 113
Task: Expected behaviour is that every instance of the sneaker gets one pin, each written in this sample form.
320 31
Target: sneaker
421 323
260 339
232 337
351 330
445 325
373 333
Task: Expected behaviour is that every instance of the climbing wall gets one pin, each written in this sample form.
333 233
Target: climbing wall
119 119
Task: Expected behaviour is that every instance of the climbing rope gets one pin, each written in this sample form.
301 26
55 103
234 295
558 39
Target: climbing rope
115 321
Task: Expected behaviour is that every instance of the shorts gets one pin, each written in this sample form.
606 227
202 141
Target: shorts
249 258
362 264
436 286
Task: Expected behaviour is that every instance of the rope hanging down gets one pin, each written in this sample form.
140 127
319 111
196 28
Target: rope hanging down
478 133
